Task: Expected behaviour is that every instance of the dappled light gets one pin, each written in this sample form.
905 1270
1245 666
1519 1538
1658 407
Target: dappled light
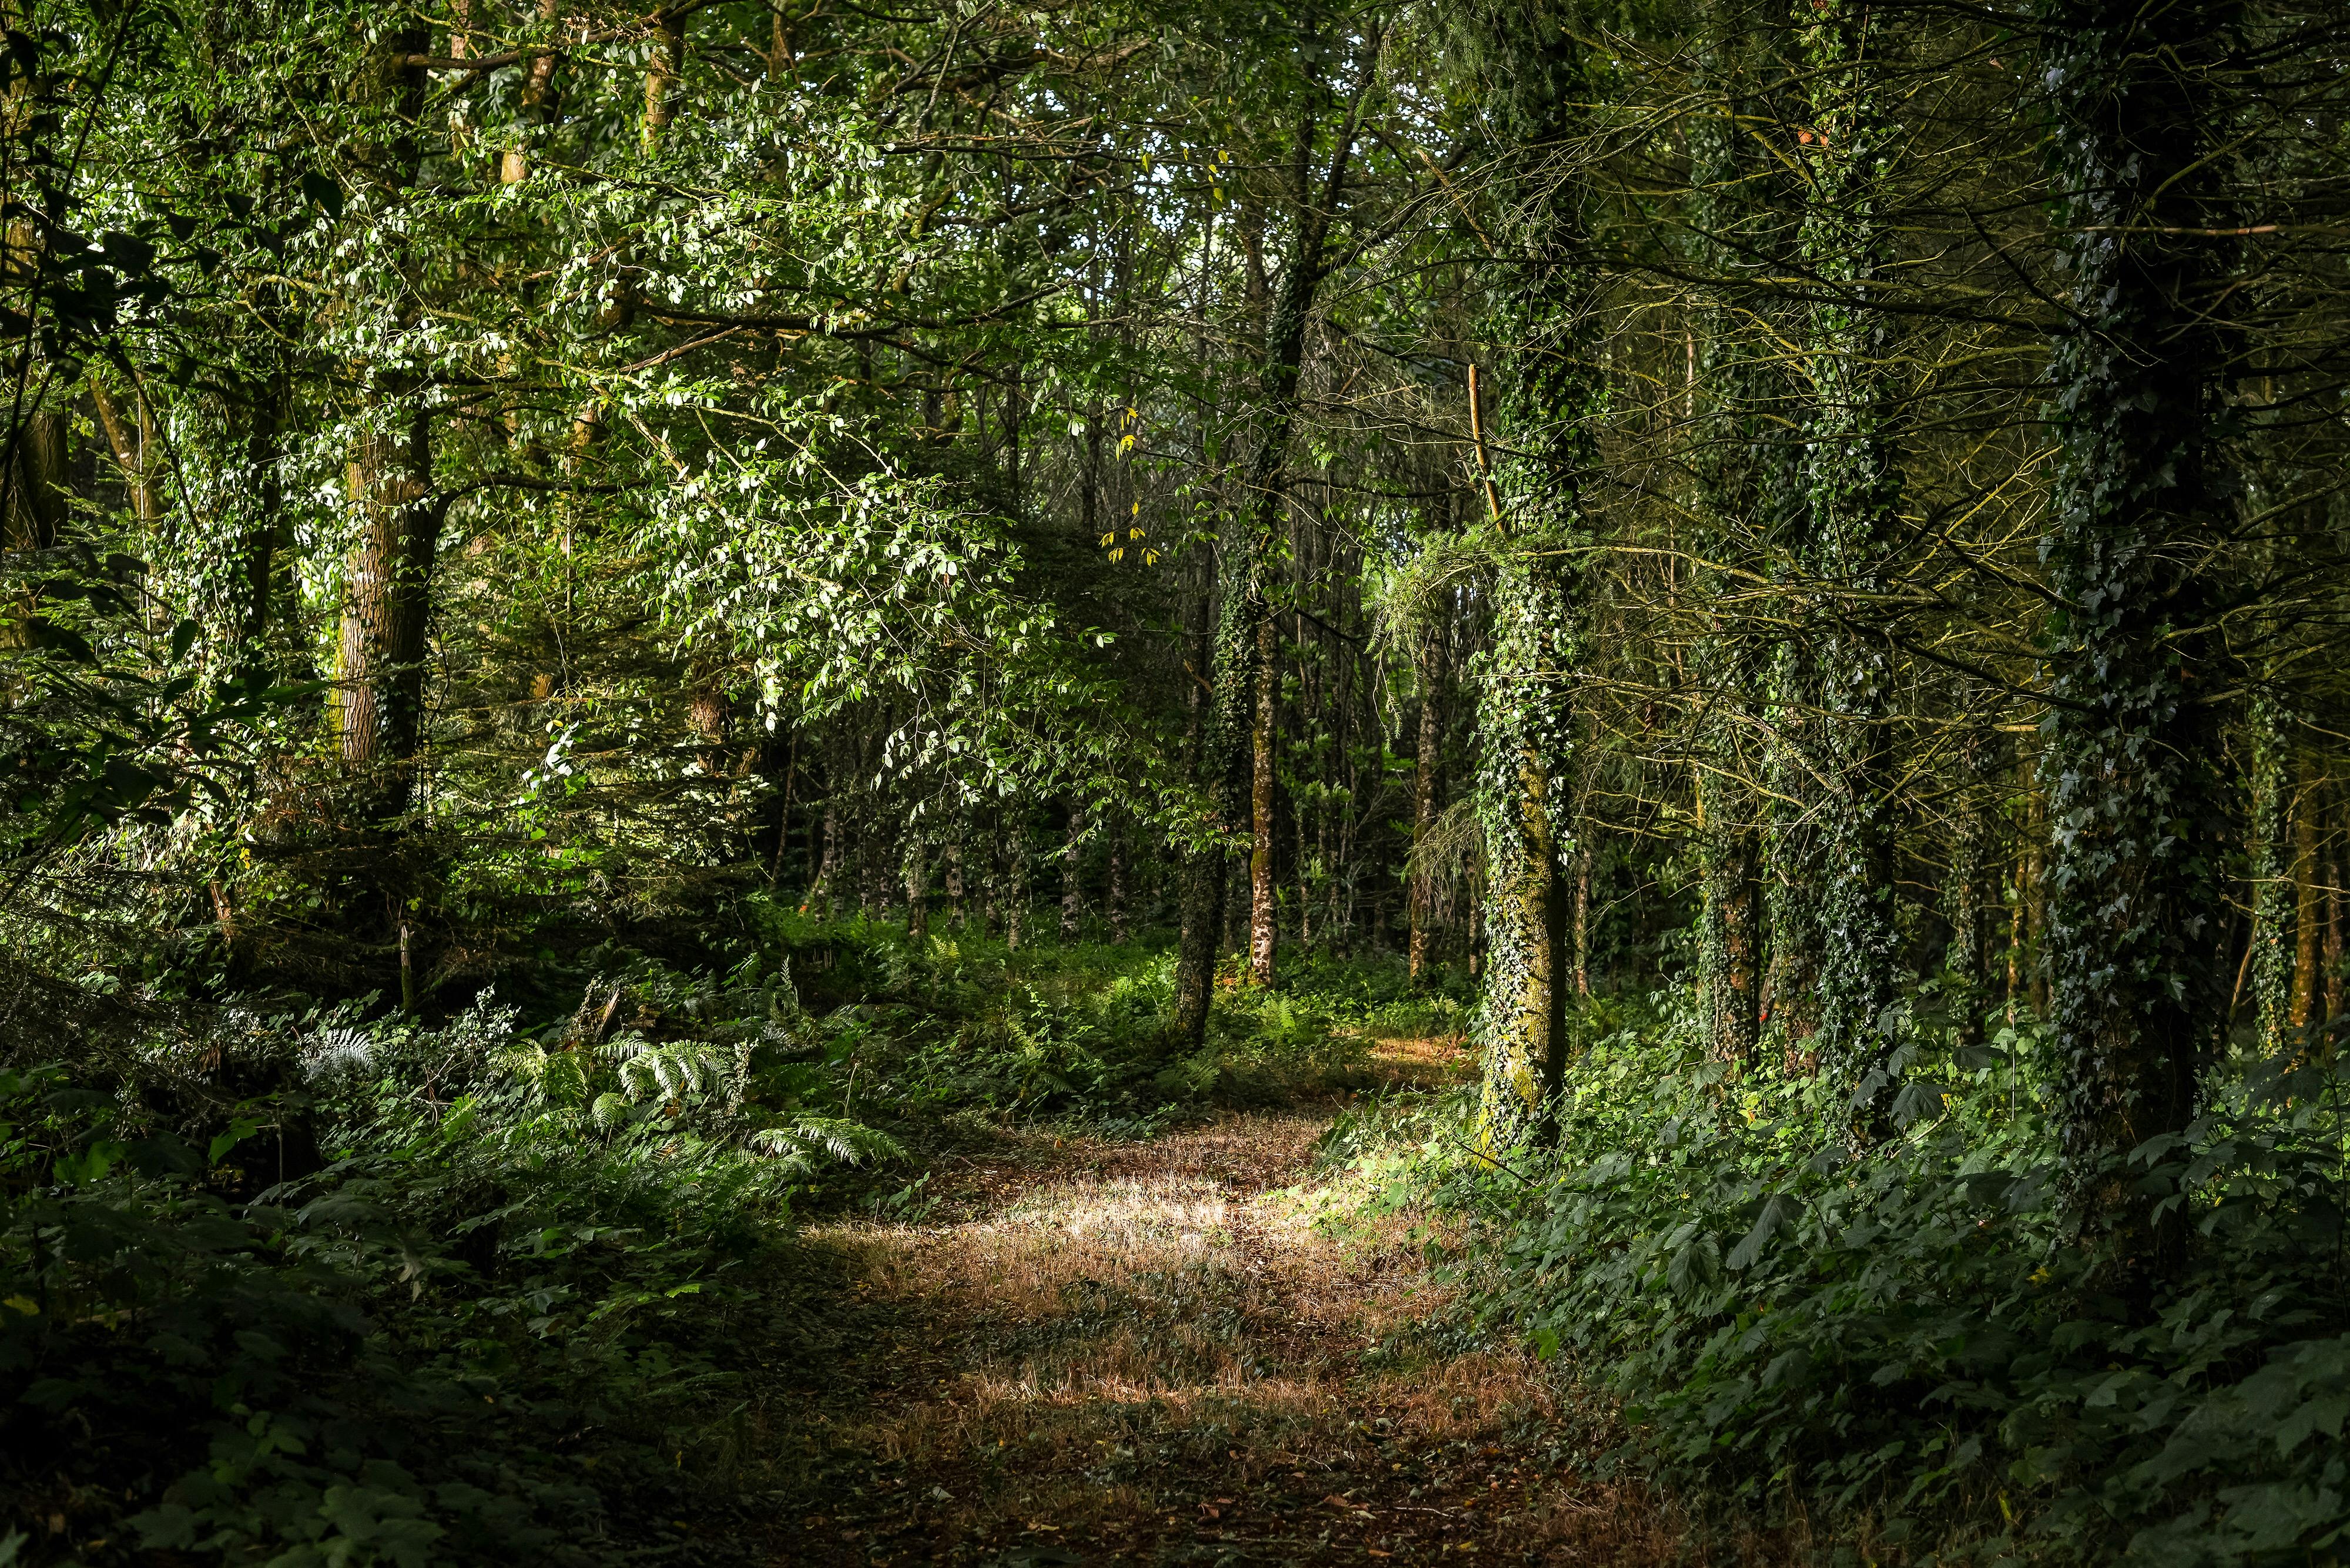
1208 783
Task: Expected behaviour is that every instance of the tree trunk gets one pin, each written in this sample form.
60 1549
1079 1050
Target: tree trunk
387 605
2332 955
822 890
1426 763
1967 901
917 889
1796 869
531 101
1073 901
665 76
2308 940
1118 888
1262 935
1853 489
2273 905
1728 982
2128 746
1015 884
129 442
1200 882
33 479
1525 713
2035 901
1584 855
1245 557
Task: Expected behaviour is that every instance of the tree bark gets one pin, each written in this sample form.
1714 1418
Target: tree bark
917 889
2138 368
129 442
2274 904
531 102
1119 892
1073 901
2332 952
1262 935
665 76
1426 760
1852 490
387 605
33 479
2306 899
1016 885
1729 984
822 894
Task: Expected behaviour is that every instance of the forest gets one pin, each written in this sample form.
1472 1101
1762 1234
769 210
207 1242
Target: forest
893 781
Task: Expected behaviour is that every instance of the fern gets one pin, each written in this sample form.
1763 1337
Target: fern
801 1143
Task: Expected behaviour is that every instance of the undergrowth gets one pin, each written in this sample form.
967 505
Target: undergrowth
1906 1337
294 1282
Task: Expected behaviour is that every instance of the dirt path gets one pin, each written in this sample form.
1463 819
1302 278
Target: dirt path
1181 1351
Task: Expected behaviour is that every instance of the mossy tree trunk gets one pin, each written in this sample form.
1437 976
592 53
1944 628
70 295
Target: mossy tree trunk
1551 399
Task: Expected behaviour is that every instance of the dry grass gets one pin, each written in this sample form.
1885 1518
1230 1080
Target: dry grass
1177 1352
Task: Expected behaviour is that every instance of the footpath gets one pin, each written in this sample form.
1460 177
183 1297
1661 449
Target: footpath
1189 1350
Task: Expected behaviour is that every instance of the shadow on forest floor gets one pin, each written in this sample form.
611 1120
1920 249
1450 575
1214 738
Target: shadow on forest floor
1194 1349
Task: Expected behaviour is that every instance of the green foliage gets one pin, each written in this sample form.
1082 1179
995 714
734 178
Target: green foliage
1912 1332
510 1254
1081 1036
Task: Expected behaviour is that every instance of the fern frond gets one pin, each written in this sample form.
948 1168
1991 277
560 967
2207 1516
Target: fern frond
848 1142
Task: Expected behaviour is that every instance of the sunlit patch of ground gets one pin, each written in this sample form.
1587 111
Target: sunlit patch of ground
1168 1352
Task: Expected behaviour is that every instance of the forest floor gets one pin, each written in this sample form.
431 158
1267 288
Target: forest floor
1191 1349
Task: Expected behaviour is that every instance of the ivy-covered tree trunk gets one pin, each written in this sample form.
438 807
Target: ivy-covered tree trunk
1261 901
2271 956
2305 897
2131 738
1967 894
1794 866
1730 981
1853 489
1016 881
1740 466
1544 426
2330 945
1524 711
